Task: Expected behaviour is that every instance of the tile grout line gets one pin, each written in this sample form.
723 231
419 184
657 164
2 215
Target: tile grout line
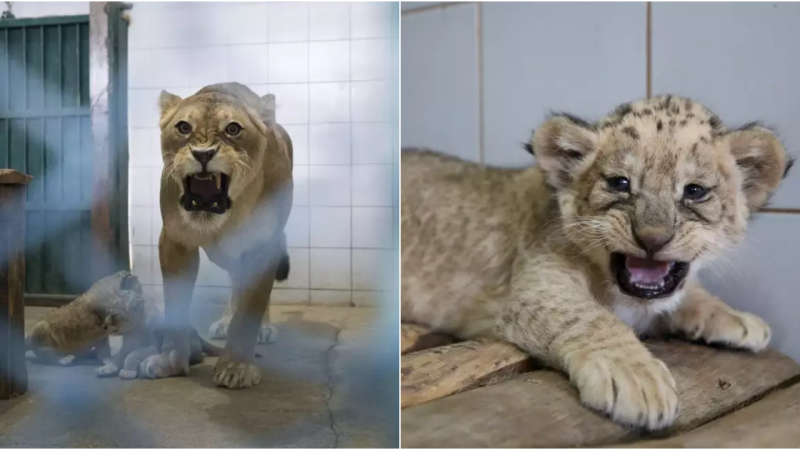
479 57
422 9
350 118
308 140
649 48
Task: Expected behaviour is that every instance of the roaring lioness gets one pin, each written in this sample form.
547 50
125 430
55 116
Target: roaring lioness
600 240
226 187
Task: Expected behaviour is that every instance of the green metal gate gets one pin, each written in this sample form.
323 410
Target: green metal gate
45 131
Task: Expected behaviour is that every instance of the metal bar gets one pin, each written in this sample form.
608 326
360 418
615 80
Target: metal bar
78 61
35 205
54 20
55 112
48 300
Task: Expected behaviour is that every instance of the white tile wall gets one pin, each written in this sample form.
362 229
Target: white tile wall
330 66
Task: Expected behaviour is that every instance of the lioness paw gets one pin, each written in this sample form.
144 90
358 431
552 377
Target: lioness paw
219 329
108 370
267 334
728 327
636 391
236 375
161 366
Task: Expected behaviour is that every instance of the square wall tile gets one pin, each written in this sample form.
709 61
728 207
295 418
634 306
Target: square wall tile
144 147
171 61
140 186
371 59
141 225
330 268
329 144
215 66
248 64
142 263
373 227
329 185
371 269
246 22
155 191
330 298
300 183
297 227
372 143
281 296
371 101
372 185
330 102
288 22
158 224
329 21
330 227
367 299
143 108
329 61
299 269
299 136
371 19
291 101
288 63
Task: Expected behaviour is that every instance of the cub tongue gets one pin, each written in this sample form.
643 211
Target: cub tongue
646 271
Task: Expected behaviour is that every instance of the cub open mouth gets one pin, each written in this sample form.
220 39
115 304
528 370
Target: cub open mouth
206 191
647 278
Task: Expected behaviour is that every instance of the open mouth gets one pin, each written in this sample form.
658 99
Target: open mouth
647 278
206 191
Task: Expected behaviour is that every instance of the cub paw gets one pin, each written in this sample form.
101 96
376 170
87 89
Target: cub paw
635 391
219 329
127 374
729 327
109 370
67 360
161 366
236 375
267 334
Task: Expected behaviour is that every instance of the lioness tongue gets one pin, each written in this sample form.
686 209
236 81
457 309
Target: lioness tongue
204 188
646 271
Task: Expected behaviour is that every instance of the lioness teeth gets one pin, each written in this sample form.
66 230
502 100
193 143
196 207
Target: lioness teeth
219 180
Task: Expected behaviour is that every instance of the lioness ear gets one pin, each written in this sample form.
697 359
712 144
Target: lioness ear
560 145
761 159
267 109
167 102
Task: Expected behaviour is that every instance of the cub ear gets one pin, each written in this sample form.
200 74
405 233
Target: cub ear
167 103
560 144
267 109
762 160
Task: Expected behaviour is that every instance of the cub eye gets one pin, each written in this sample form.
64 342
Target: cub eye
233 129
183 127
694 192
619 184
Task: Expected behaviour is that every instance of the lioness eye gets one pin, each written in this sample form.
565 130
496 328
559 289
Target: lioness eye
619 184
183 127
694 192
233 129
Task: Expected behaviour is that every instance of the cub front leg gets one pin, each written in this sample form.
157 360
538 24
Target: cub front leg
179 265
553 315
252 284
702 316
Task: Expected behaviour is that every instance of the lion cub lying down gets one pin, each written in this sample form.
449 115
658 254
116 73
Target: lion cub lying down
112 306
599 241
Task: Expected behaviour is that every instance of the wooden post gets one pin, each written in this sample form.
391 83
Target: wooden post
13 373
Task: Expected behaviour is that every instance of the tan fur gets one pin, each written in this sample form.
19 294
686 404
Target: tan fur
523 255
247 240
79 326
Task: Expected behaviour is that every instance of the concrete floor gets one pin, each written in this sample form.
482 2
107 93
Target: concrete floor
330 380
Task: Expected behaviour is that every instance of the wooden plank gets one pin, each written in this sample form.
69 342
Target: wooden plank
542 409
443 371
13 371
415 338
769 423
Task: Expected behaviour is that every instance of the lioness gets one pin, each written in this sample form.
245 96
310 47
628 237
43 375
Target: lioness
601 240
226 187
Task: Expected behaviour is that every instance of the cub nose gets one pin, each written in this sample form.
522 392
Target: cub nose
652 240
204 156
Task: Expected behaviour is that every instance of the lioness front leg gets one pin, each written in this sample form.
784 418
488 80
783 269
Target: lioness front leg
702 316
219 329
252 284
179 265
553 315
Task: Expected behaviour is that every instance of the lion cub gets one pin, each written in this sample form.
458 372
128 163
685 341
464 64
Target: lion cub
600 240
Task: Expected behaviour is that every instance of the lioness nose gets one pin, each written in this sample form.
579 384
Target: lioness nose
652 240
204 156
